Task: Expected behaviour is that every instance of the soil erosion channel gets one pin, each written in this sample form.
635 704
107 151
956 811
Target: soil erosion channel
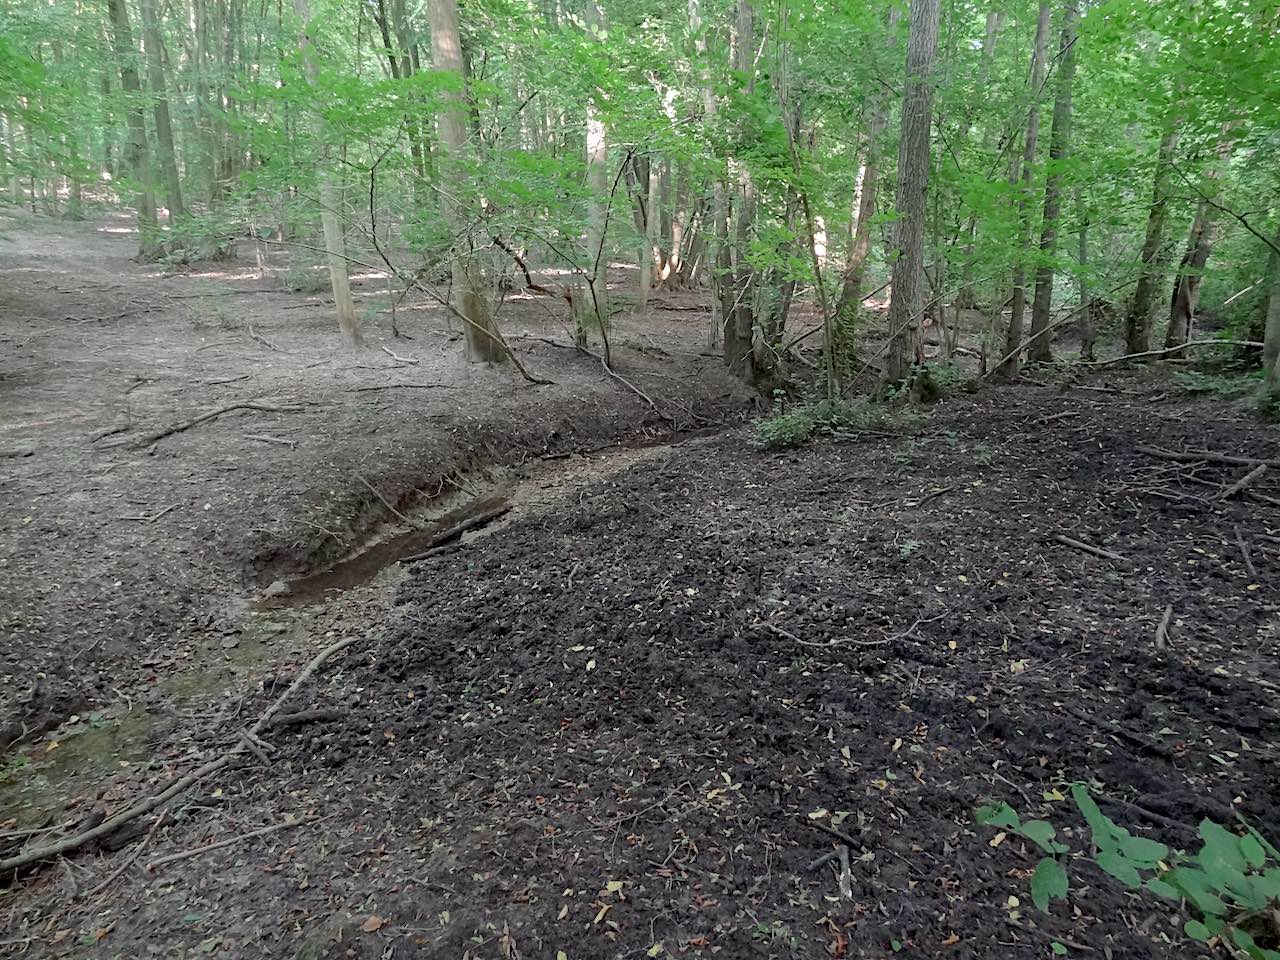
353 593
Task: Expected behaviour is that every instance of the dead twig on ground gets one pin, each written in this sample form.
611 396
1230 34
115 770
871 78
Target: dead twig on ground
1088 548
1247 480
1205 456
1053 418
264 438
1162 631
255 335
260 405
401 386
1243 544
304 717
387 503
155 516
252 746
143 807
137 852
231 841
397 358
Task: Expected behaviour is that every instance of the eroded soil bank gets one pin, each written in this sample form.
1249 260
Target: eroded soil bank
128 564
609 730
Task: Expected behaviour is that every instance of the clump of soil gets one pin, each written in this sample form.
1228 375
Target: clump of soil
614 727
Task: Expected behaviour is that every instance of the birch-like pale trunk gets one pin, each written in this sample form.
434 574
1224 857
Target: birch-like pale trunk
335 246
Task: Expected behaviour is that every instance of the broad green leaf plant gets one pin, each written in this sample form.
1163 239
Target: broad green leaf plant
1230 886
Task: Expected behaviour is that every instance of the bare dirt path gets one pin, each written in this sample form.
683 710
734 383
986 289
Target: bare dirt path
127 564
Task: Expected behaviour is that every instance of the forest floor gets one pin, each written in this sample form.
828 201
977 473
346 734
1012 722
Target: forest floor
615 725
130 563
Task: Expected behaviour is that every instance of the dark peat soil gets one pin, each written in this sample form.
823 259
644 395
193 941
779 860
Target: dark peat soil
609 731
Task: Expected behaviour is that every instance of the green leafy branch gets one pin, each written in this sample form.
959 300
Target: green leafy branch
1231 885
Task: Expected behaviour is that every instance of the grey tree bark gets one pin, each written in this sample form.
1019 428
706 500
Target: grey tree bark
1040 349
739 321
860 242
595 312
137 151
480 336
166 153
335 245
1137 321
906 301
1030 143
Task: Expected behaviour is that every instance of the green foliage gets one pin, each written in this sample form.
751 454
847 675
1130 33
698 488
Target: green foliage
1223 384
801 423
1231 885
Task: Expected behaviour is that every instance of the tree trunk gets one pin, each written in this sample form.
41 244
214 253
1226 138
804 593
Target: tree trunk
1186 286
1040 350
1137 321
856 269
480 332
1271 336
138 155
1087 322
160 100
739 320
1018 307
595 260
907 277
15 180
1204 234
335 246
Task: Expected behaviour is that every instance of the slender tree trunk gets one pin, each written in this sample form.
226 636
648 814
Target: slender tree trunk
1030 143
15 179
856 269
138 155
739 321
1087 322
905 348
479 329
165 151
1137 321
330 205
1186 286
1040 349
1204 234
595 260
1271 336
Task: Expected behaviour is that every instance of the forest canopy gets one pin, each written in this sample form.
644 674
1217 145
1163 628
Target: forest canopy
1105 170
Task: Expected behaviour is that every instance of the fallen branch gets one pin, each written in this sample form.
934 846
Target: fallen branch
1162 631
401 386
264 438
387 503
397 358
1244 553
303 717
16 452
197 851
1197 456
137 852
255 335
457 530
155 516
1181 346
1089 548
157 435
1247 480
143 807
